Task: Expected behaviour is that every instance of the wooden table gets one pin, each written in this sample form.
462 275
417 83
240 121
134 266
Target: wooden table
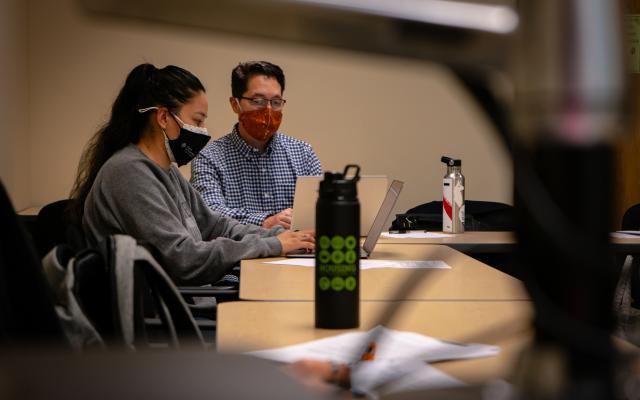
468 279
468 242
626 245
498 242
247 326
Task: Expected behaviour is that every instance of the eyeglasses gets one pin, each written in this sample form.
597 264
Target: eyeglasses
276 103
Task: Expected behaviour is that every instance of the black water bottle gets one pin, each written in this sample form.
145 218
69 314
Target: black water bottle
337 283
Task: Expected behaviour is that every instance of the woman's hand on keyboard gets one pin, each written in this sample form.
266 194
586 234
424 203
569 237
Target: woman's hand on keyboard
297 240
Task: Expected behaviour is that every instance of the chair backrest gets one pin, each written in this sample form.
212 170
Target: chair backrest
93 289
133 263
631 218
54 226
27 312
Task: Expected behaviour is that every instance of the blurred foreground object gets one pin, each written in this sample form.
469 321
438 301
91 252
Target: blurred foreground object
153 375
569 80
451 32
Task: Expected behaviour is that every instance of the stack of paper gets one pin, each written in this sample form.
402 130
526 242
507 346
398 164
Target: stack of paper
401 358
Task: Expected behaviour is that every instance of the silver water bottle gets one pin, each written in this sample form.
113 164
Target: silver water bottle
453 197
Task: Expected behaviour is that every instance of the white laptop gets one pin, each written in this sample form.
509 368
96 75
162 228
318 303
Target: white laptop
371 192
378 223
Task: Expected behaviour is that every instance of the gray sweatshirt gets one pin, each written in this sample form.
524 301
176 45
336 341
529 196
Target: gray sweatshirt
133 195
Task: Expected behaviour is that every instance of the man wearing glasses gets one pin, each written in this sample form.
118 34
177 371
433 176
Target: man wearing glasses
250 173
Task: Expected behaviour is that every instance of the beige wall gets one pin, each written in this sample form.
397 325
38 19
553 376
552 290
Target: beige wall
391 116
14 104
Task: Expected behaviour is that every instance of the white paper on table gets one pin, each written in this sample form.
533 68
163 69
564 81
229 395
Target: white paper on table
299 262
400 358
415 235
370 264
391 345
394 376
626 234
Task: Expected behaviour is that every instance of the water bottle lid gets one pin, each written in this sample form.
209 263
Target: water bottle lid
451 162
340 184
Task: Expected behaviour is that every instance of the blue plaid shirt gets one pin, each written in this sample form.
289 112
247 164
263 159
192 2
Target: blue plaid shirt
237 180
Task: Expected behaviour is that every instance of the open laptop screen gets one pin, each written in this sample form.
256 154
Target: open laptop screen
381 218
371 193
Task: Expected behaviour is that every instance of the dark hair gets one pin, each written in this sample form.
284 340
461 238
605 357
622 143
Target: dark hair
241 74
145 86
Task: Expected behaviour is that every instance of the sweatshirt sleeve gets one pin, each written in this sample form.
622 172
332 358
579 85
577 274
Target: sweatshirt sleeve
137 199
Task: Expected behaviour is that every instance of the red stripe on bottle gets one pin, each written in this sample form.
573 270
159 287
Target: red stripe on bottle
447 207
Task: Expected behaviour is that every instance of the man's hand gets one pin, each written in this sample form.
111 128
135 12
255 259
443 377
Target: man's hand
291 241
283 218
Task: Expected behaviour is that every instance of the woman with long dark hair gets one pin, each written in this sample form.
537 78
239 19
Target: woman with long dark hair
128 182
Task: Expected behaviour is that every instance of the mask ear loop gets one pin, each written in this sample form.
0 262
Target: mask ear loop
144 110
238 103
167 146
164 132
178 120
240 107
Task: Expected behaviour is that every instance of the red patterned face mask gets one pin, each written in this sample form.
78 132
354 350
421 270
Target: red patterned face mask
261 124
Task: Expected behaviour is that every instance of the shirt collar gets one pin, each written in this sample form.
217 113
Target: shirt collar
247 150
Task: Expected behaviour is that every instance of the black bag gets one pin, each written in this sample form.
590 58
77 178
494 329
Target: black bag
479 216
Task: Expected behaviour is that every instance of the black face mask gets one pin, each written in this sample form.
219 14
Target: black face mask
188 144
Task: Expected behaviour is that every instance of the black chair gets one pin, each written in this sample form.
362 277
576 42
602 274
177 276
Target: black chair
631 218
150 280
54 226
29 223
630 222
27 314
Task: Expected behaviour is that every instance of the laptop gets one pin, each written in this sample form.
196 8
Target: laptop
371 192
376 227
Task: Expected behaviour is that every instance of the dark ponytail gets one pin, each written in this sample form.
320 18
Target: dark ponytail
145 86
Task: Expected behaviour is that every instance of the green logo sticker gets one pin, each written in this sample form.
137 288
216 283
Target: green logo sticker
350 283
337 284
350 242
337 242
350 257
324 256
324 283
324 242
337 257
